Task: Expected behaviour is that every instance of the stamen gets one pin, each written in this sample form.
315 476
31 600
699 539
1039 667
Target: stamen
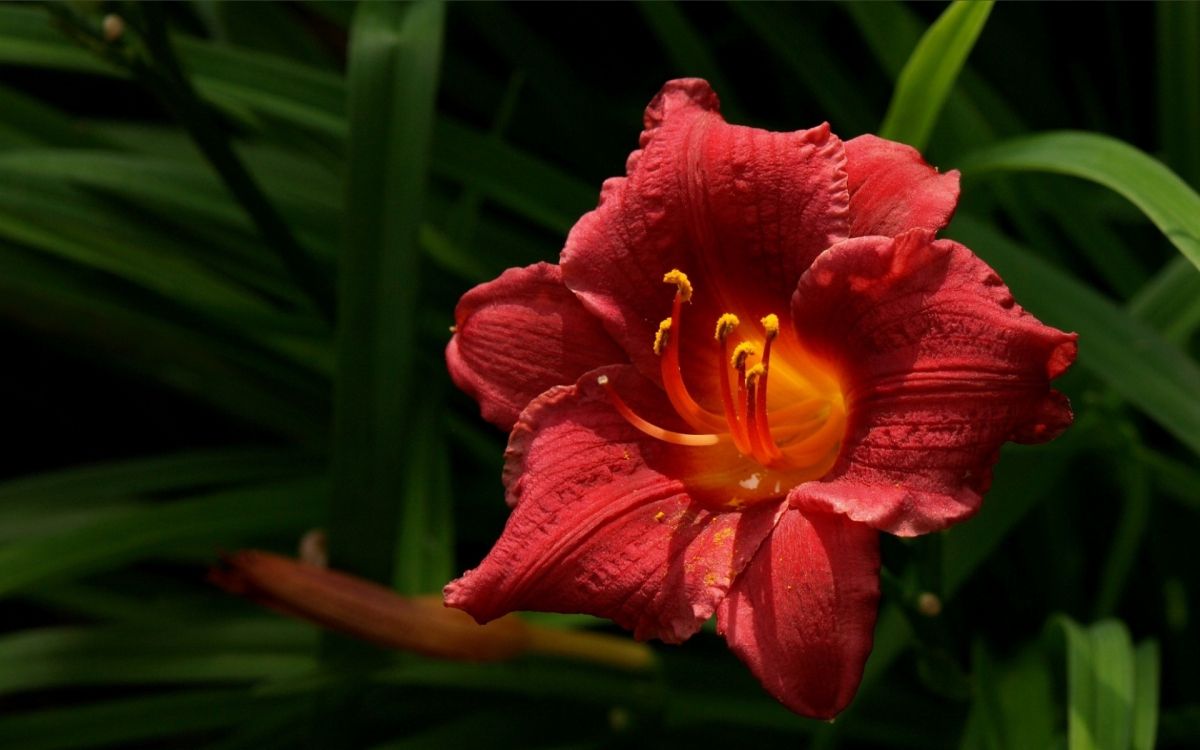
653 430
753 422
680 280
770 324
740 353
663 336
725 325
737 430
672 372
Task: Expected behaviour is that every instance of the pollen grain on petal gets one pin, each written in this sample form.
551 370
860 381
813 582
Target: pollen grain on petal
681 282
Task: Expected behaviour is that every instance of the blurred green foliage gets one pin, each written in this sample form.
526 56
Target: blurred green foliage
190 198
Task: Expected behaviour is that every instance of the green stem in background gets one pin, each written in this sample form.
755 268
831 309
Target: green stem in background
155 65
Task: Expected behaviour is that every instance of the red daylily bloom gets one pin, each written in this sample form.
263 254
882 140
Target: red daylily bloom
817 368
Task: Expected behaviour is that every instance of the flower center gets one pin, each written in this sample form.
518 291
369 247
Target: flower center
780 408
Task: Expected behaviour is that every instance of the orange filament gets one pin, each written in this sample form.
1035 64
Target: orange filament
770 325
809 420
737 428
756 417
667 343
654 431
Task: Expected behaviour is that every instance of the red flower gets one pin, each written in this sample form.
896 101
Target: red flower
861 378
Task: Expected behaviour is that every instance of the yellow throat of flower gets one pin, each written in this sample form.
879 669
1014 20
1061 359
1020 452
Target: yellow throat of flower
784 413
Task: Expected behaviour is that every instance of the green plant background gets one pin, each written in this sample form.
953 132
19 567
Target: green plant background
185 211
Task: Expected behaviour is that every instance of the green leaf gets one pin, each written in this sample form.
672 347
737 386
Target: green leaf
1024 477
1100 685
1121 351
225 650
518 181
1157 191
807 55
394 57
1137 497
425 541
151 340
1174 478
1178 95
1014 707
28 38
129 721
1170 302
930 72
688 50
139 477
117 539
28 122
1145 695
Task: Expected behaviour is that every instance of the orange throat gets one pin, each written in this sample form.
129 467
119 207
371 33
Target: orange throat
782 412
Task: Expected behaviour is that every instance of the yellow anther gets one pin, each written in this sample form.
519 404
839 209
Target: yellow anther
725 325
740 353
662 336
680 280
771 325
754 373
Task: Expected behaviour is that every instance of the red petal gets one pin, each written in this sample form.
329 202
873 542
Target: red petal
742 211
893 190
802 613
596 529
939 367
520 334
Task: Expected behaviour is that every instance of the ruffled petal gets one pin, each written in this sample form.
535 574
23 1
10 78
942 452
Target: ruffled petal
742 211
599 527
893 190
939 367
520 334
802 613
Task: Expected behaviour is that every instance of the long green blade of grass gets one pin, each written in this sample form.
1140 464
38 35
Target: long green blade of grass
929 75
810 59
689 51
393 79
219 519
172 473
1100 685
1170 302
1133 482
1025 476
129 721
1146 668
1156 190
1134 360
221 651
1178 52
152 340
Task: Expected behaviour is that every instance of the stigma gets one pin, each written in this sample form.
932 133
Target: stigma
789 422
